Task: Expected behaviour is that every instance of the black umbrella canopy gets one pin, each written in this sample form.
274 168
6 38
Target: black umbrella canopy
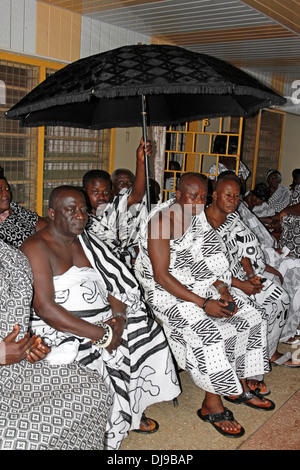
104 90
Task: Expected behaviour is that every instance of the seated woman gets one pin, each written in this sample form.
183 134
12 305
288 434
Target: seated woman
288 267
247 263
35 397
16 222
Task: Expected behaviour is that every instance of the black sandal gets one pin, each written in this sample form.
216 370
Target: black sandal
226 415
151 431
245 397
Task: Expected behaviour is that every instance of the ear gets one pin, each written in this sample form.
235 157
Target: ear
214 195
51 213
178 194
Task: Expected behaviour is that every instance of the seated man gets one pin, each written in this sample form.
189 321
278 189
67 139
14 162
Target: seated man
225 162
246 260
88 308
36 397
117 206
183 268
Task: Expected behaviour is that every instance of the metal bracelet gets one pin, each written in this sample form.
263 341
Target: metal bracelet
120 314
205 303
223 284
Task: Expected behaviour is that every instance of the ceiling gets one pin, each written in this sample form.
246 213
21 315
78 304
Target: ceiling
259 36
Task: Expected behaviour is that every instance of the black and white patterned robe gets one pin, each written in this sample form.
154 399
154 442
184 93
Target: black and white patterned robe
290 234
118 227
19 225
217 353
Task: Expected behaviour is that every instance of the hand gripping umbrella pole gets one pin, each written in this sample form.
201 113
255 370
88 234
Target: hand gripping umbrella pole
146 159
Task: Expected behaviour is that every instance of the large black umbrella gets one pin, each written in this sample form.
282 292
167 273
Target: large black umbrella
112 89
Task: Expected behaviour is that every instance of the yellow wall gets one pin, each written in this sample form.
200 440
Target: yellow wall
126 144
58 33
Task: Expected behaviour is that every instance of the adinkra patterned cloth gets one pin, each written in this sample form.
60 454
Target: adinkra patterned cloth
217 353
19 225
43 407
243 170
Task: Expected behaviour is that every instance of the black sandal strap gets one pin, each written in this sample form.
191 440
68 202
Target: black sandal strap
226 415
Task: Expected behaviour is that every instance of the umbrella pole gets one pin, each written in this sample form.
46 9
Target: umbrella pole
147 173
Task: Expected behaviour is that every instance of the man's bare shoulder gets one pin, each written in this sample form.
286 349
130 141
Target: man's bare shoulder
35 243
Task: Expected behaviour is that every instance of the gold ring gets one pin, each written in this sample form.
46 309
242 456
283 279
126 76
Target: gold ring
27 352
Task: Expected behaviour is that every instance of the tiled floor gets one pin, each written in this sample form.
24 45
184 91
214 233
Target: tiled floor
181 429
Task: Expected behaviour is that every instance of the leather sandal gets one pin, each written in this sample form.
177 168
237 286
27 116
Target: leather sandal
225 415
261 387
244 399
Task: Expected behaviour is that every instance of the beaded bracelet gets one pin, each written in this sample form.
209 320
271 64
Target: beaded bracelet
106 338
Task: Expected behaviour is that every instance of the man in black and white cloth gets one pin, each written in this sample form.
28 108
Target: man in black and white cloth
88 308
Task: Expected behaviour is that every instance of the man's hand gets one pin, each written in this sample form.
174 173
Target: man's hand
252 286
144 149
38 351
217 309
13 352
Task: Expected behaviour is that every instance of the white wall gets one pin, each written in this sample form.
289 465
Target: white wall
18 26
97 36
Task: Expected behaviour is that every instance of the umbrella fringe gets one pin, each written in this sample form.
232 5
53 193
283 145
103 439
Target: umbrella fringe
122 93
